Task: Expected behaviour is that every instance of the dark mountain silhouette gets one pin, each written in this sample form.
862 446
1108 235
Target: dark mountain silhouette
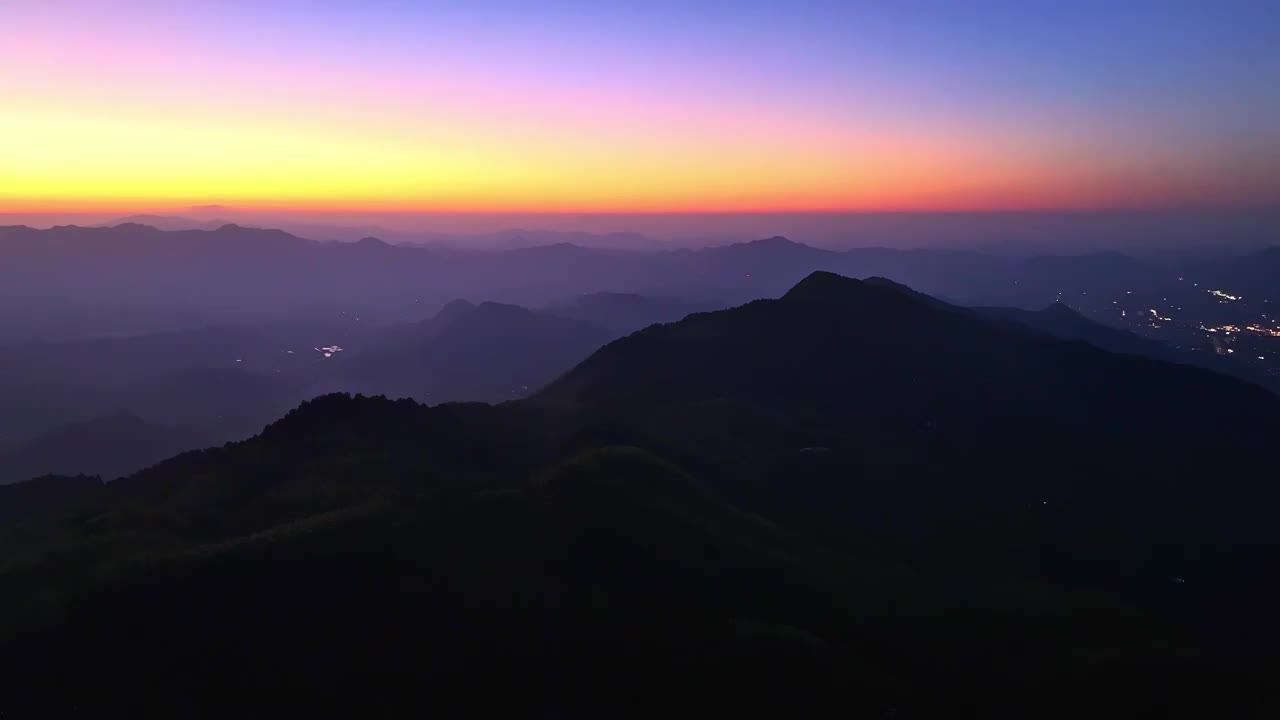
849 501
892 380
107 447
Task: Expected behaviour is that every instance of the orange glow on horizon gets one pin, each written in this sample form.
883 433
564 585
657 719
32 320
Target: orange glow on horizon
132 120
100 162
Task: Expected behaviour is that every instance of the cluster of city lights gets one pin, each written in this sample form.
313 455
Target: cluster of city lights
1272 332
1228 329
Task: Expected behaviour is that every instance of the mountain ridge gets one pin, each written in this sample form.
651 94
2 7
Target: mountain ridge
846 487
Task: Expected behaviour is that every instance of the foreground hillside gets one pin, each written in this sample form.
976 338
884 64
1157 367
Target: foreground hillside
852 501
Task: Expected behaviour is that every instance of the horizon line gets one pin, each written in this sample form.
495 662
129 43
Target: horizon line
347 210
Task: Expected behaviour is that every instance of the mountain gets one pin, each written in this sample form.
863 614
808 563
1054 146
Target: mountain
772 264
220 404
1065 323
134 279
264 349
227 382
624 313
853 500
442 320
224 382
1251 275
311 230
488 352
966 275
372 546
107 447
895 384
168 222
1061 321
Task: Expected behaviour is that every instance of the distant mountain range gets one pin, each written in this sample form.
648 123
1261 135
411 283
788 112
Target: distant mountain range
235 269
168 223
852 500
219 331
226 381
495 241
221 382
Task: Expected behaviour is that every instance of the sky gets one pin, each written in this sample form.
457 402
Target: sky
637 107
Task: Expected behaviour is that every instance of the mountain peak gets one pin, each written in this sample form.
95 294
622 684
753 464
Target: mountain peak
168 223
1063 310
260 235
777 241
454 307
822 285
834 289
444 318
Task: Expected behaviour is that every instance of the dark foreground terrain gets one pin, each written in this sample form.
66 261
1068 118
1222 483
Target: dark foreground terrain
853 501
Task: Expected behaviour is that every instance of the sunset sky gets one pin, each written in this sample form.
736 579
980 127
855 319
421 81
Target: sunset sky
526 106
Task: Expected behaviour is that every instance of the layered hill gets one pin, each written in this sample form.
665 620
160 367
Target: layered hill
487 352
851 500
